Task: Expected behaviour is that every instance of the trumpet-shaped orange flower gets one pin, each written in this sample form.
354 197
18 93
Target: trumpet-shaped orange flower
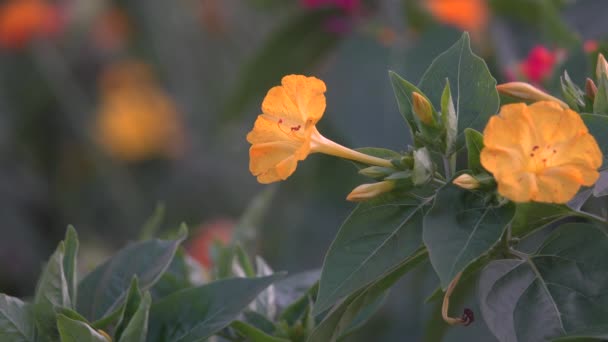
541 152
285 133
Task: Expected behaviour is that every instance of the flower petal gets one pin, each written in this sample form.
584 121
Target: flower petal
520 187
511 127
554 124
300 99
557 185
581 150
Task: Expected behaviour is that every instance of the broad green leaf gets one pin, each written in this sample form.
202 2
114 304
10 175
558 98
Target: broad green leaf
195 314
461 227
474 142
254 334
70 266
292 49
347 315
379 235
558 291
598 127
52 293
71 330
176 277
137 327
600 104
403 93
132 304
16 320
601 186
531 216
298 307
472 86
102 291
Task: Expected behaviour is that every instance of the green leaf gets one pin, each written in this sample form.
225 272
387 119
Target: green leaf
598 128
292 49
403 93
347 315
379 235
461 227
254 334
132 303
197 313
51 294
16 320
423 167
103 290
587 334
449 118
472 86
137 329
600 104
154 222
72 330
70 266
558 291
573 95
531 216
474 142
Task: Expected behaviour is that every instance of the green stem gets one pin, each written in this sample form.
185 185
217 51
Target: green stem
447 167
590 216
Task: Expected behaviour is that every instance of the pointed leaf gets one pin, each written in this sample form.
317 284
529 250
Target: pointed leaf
461 227
450 120
378 236
472 86
195 314
403 93
16 320
72 330
51 294
474 142
533 215
558 291
600 105
102 291
132 304
254 334
347 315
137 327
70 265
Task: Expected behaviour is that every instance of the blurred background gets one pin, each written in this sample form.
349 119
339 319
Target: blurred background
112 109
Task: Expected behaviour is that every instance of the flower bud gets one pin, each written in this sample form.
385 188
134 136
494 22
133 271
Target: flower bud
105 335
423 109
368 191
525 91
590 89
376 171
601 68
466 181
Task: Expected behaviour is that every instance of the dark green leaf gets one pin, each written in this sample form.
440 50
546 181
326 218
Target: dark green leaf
573 95
103 290
51 294
531 216
598 127
72 330
379 235
197 313
461 227
558 291
403 93
449 118
347 315
132 304
592 333
474 142
16 320
137 327
472 86
254 334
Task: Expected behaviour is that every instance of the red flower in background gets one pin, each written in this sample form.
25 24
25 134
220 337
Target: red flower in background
24 20
539 64
199 247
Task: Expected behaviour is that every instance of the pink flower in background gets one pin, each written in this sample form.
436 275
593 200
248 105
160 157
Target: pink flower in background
590 46
199 247
539 64
349 6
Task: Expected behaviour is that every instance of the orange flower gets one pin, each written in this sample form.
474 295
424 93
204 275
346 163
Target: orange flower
285 133
467 15
541 152
22 20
